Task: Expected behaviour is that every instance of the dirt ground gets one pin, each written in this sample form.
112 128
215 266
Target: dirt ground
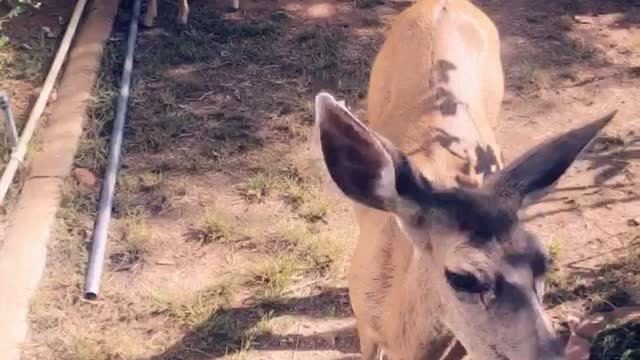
27 45
228 242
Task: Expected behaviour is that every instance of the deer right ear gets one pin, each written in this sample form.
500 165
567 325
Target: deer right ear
538 170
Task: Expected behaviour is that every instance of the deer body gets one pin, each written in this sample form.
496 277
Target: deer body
441 254
437 54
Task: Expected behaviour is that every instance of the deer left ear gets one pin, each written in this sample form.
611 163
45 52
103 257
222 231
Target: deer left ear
366 167
536 173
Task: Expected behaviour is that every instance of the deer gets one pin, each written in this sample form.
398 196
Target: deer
151 15
442 265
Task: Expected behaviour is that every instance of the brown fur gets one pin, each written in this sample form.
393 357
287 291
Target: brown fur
441 251
409 67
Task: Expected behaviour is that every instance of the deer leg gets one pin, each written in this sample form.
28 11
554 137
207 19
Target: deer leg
368 347
151 15
183 12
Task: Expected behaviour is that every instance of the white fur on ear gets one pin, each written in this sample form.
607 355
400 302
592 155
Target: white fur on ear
324 100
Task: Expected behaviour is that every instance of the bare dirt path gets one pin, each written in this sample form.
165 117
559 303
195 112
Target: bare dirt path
227 243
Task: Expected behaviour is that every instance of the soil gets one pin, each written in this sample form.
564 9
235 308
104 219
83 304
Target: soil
26 52
215 167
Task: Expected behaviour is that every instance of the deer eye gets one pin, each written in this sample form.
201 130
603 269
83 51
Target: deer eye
465 282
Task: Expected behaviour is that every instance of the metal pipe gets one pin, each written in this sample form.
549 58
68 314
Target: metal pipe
9 123
19 152
100 233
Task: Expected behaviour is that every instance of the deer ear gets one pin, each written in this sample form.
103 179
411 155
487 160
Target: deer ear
366 167
357 160
536 172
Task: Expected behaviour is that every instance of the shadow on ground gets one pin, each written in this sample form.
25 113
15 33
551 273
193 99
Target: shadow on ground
614 284
225 330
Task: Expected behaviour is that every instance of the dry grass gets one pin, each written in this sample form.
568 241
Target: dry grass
194 309
211 227
218 109
258 187
297 254
185 128
605 288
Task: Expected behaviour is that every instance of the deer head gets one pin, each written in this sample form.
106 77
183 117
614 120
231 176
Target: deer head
472 257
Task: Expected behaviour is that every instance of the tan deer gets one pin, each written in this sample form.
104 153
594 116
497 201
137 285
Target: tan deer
151 15
441 254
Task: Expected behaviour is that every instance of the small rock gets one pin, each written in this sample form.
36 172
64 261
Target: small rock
634 222
48 33
634 71
53 96
84 177
165 262
584 19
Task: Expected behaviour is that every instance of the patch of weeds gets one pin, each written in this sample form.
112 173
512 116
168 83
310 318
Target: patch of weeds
150 181
321 253
307 254
270 323
75 224
246 342
303 170
620 342
258 187
536 78
566 23
196 310
301 190
604 289
211 227
168 99
29 66
133 245
555 248
272 277
317 207
294 193
265 325
82 348
92 151
311 204
94 345
76 201
316 252
582 49
6 55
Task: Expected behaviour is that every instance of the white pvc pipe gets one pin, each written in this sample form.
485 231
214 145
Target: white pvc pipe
100 234
19 152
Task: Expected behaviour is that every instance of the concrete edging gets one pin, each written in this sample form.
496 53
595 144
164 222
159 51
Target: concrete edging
24 249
